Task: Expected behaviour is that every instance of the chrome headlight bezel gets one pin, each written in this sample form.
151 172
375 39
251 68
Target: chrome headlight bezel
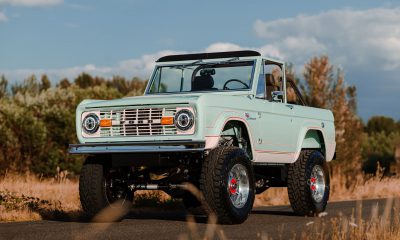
91 123
184 120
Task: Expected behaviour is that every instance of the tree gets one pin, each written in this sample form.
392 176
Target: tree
318 75
38 122
3 86
324 89
64 83
379 147
45 83
378 124
30 86
84 80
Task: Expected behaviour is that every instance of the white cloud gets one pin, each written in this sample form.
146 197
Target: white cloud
3 17
141 66
31 3
356 37
366 44
223 47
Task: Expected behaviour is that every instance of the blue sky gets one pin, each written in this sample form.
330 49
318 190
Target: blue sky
63 38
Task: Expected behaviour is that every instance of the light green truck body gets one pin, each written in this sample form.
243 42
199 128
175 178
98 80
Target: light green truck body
277 130
228 123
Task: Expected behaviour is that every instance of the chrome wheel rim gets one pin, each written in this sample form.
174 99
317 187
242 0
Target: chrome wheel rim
317 183
238 185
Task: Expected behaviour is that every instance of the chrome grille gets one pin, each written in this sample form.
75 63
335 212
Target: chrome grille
137 122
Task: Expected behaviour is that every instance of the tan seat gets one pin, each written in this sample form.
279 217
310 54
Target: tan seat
271 85
291 95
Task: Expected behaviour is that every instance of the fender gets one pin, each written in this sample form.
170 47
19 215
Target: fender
215 128
314 137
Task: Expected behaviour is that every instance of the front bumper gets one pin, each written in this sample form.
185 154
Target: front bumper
138 147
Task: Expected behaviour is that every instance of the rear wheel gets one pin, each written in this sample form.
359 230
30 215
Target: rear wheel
101 186
308 183
227 182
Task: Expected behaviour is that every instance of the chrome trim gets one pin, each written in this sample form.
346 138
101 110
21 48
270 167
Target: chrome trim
133 122
317 183
95 123
238 185
137 147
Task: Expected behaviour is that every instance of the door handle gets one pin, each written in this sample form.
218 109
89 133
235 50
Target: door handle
290 106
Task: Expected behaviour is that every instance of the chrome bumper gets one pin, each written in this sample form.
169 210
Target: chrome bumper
137 147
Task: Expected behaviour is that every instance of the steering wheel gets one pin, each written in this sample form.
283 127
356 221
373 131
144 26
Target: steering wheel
234 80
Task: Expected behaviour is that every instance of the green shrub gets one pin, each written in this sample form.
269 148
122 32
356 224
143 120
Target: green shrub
37 122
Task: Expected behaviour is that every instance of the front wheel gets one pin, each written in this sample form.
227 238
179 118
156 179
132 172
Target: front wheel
227 182
101 187
308 183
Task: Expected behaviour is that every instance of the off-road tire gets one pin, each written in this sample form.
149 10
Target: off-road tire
92 187
299 190
214 184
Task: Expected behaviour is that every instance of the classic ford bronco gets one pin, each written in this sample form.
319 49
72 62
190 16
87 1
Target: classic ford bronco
229 123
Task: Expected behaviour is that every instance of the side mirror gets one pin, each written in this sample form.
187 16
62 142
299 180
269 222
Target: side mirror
277 96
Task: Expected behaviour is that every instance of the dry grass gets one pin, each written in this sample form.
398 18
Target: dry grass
385 226
28 197
342 188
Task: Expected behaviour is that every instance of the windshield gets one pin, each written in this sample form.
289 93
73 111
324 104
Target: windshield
198 76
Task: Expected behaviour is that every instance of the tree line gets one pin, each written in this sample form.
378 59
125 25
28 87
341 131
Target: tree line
37 118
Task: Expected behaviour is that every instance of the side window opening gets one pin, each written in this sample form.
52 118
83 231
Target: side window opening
293 95
273 78
260 92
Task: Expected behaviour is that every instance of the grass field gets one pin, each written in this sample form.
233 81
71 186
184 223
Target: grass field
28 197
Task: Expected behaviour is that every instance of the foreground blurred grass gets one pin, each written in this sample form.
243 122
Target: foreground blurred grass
28 197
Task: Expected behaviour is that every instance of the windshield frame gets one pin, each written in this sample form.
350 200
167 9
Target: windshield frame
203 62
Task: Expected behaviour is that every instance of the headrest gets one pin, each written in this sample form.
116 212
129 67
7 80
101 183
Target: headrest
202 83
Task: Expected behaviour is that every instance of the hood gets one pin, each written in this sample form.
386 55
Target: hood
141 101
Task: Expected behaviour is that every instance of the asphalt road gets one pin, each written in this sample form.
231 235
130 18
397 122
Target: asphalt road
272 222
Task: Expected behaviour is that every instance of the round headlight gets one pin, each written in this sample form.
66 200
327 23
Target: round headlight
91 123
184 120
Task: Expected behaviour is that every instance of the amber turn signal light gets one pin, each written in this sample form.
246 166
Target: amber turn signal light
105 123
167 120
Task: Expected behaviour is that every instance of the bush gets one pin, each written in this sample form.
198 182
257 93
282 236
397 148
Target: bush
38 123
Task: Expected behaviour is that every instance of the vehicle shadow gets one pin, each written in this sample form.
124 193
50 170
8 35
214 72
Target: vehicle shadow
179 214
136 214
274 212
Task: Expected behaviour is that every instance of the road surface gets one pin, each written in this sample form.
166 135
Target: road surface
273 222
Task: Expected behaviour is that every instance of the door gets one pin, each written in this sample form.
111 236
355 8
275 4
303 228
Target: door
276 142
